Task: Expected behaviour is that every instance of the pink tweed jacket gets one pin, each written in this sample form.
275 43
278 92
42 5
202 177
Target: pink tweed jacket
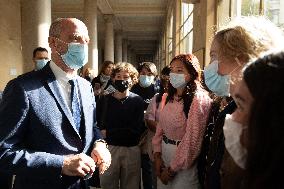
173 124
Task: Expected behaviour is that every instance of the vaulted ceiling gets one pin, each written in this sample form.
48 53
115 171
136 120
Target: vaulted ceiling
141 21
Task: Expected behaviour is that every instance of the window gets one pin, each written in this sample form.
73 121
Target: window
170 38
186 28
272 9
250 7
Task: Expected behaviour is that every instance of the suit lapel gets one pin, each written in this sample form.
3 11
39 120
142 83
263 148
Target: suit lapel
53 85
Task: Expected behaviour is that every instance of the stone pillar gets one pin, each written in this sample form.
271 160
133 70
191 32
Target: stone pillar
90 14
10 41
118 47
36 20
124 50
204 14
109 38
129 54
176 25
133 58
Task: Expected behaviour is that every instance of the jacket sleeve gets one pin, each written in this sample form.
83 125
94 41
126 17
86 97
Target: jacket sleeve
14 154
151 110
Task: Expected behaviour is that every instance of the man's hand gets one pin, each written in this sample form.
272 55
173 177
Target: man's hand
101 156
78 165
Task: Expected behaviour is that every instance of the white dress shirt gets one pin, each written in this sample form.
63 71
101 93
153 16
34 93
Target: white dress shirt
62 79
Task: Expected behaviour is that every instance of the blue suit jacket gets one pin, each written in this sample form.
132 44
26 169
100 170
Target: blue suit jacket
37 130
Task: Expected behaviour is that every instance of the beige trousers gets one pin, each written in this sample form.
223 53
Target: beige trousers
124 171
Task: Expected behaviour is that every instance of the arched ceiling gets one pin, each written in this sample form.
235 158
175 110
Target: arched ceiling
141 21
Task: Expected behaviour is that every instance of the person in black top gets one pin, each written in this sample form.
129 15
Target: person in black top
146 88
231 49
5 178
120 118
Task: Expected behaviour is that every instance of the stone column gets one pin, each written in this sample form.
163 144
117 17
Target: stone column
10 42
129 54
204 15
118 47
124 50
90 14
133 58
36 20
176 25
109 38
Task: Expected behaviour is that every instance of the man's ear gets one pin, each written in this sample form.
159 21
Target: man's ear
51 42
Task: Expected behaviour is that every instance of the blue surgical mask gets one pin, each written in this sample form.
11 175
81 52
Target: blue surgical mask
76 55
177 80
218 84
145 80
40 63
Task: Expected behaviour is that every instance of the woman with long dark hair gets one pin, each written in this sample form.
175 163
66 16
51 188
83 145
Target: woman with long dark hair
258 123
181 126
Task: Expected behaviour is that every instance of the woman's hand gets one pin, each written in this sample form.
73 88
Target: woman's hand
159 163
167 175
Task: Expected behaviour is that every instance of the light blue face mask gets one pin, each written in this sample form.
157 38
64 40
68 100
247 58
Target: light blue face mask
145 80
40 63
218 84
177 80
76 55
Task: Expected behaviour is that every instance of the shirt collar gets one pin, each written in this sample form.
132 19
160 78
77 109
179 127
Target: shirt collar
60 74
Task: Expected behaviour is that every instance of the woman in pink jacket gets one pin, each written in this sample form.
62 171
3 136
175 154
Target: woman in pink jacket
181 126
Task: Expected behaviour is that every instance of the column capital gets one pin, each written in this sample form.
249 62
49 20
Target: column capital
108 17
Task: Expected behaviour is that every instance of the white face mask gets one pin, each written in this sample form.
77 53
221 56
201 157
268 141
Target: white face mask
232 132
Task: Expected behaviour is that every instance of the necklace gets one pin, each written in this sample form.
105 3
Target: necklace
223 104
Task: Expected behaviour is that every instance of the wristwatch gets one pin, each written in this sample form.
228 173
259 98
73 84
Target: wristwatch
100 140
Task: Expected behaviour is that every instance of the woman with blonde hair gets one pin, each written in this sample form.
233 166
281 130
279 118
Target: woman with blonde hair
241 41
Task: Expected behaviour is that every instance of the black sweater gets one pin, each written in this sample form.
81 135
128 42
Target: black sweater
123 120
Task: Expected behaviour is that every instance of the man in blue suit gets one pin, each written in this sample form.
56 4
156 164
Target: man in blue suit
48 133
